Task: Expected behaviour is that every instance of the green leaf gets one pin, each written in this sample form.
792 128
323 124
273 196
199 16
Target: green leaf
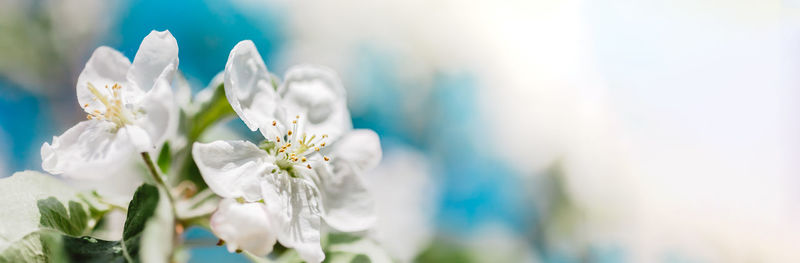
19 198
140 212
142 207
27 249
159 231
54 215
445 250
86 249
216 109
343 247
164 158
139 222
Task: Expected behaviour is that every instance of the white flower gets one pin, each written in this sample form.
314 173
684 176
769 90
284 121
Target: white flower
403 188
308 168
130 109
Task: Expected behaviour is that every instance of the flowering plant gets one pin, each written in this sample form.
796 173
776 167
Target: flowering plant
295 195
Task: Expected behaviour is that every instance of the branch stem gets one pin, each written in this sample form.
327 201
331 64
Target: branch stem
160 181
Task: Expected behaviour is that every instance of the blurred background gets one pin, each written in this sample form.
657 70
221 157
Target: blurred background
513 131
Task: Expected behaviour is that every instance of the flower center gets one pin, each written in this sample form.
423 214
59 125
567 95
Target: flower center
115 112
293 149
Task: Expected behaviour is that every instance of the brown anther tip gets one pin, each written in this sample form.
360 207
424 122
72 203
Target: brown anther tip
238 251
308 166
290 133
326 158
274 123
304 159
220 242
322 144
294 122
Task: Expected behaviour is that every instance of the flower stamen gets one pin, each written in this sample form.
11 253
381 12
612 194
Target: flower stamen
115 111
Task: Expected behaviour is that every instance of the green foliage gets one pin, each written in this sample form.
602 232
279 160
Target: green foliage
27 249
216 109
445 251
57 239
164 158
19 200
88 249
54 215
142 207
344 247
194 125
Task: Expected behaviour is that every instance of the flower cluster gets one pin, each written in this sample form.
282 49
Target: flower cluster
303 176
130 109
307 170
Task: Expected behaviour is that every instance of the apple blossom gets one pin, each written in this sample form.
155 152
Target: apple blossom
306 171
130 109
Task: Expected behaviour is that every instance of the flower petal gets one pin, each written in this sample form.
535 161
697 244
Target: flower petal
183 91
316 93
156 58
361 147
347 205
138 137
232 168
296 201
249 90
160 113
244 226
90 149
106 66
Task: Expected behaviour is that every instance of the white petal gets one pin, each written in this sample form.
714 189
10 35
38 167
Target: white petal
249 91
346 203
159 113
156 58
403 187
87 150
138 138
316 94
361 147
299 218
106 66
183 91
244 226
232 168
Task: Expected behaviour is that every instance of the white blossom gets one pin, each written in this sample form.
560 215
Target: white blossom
130 109
306 172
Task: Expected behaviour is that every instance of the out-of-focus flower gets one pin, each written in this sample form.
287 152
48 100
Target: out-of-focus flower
130 109
290 181
403 191
43 42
